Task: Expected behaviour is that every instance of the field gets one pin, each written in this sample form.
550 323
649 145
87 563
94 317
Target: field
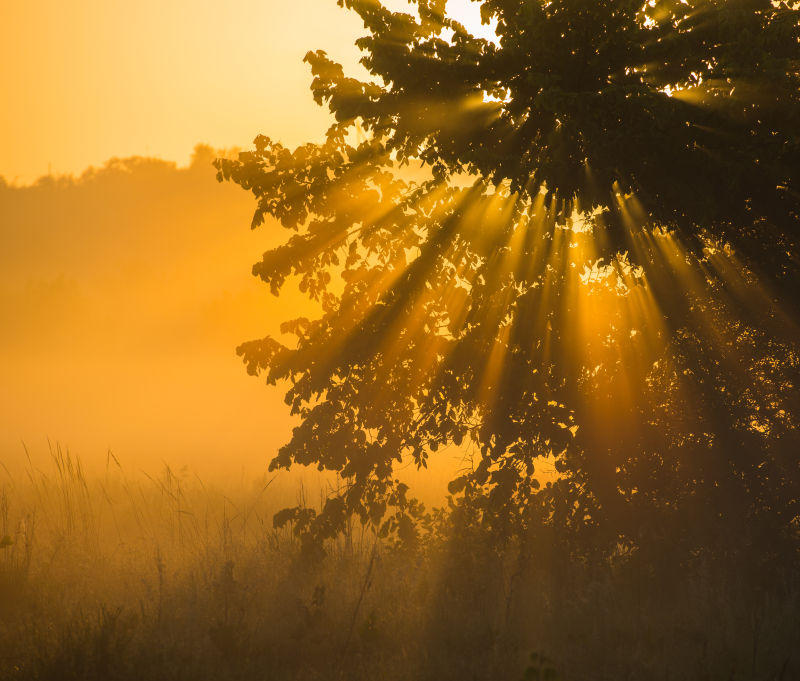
126 576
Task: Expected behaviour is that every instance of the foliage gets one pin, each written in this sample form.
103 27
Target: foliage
691 106
607 209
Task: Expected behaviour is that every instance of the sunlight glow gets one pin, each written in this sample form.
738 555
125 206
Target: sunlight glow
467 12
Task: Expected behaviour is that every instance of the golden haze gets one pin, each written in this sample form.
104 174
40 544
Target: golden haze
124 292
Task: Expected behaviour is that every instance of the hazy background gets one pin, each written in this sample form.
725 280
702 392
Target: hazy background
125 285
123 295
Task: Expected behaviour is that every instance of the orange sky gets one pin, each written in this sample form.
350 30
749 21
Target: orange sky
90 79
86 80
124 293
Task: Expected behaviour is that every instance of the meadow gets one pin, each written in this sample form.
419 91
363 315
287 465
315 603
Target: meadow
131 576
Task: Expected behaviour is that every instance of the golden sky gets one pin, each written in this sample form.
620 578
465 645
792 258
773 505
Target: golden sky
124 291
86 80
90 79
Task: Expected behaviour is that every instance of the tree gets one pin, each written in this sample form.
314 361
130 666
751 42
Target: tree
607 195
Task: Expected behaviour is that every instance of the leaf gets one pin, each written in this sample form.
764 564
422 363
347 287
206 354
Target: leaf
457 485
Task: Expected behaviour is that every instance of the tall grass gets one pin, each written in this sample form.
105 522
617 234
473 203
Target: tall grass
125 576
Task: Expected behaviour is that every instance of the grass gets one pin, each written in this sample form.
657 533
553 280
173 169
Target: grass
168 577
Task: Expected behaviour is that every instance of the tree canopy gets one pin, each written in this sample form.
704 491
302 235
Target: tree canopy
691 106
575 244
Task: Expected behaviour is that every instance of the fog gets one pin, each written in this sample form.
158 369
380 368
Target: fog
123 295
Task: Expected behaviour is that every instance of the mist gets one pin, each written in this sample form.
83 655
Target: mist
123 295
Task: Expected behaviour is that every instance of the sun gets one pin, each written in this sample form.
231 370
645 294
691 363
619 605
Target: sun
465 12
